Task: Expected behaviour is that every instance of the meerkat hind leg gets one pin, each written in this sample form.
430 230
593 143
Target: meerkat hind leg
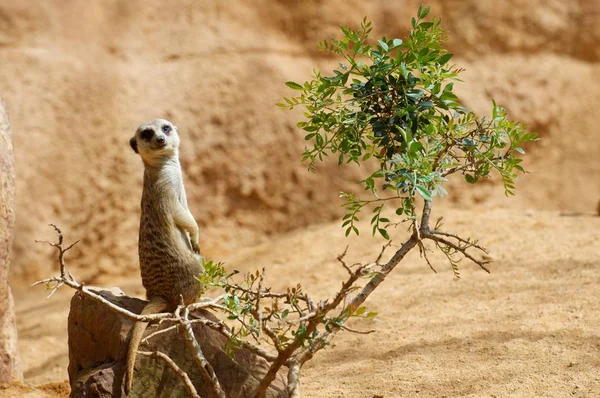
155 305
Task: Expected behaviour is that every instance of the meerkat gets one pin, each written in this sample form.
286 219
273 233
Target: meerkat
169 252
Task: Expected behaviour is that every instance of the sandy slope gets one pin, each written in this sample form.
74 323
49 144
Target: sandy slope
80 76
531 328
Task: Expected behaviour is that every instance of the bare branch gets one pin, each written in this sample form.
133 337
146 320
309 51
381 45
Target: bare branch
373 283
425 215
340 258
349 329
205 367
423 252
293 386
461 249
460 239
257 313
220 327
382 251
180 373
265 293
58 285
272 335
66 278
71 282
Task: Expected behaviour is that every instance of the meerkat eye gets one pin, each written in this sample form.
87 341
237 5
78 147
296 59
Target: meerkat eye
147 134
166 129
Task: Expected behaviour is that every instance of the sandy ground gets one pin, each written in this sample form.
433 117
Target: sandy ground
529 329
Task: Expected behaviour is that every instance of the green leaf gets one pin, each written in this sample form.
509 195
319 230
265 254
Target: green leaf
403 70
396 42
520 150
470 179
423 191
423 106
384 233
319 139
294 86
425 25
383 45
414 147
445 58
424 12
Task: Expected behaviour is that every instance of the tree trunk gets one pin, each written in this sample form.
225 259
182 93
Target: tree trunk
10 366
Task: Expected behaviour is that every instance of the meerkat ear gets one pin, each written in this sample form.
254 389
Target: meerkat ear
133 143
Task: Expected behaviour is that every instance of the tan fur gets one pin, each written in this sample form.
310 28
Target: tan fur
169 252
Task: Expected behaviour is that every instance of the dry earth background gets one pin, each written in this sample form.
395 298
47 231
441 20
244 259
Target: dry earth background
80 76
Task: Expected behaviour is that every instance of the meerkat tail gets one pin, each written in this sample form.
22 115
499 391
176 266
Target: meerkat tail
155 305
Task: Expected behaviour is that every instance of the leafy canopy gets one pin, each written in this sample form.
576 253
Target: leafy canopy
393 101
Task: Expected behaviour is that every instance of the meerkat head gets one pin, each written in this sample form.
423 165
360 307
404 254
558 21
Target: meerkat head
156 140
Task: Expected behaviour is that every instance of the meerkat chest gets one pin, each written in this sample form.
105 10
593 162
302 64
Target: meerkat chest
160 240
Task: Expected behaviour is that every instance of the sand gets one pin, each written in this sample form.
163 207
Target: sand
530 328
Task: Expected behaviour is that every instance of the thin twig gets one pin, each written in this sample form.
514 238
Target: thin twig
460 249
463 240
258 314
197 354
423 252
220 327
71 282
382 251
340 258
158 333
349 329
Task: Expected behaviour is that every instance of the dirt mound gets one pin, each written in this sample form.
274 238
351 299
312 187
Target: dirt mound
79 77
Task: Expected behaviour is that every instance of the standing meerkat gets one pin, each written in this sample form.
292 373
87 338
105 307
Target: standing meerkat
169 252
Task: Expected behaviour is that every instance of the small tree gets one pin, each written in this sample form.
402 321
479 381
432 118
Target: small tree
391 103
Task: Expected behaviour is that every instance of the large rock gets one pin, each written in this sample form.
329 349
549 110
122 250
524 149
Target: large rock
10 366
98 341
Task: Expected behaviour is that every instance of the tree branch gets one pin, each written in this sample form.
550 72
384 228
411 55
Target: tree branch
460 239
293 386
458 248
205 367
373 283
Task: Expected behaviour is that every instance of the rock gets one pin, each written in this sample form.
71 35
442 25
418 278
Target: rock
98 341
10 365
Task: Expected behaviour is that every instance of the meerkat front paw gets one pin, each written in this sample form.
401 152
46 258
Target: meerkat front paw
195 247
